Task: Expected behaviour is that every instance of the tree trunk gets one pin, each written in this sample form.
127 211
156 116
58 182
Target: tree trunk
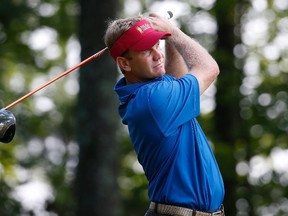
97 171
228 124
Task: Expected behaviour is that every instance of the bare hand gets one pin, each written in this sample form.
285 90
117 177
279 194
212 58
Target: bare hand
159 23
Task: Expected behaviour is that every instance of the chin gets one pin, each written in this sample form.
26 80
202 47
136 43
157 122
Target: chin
159 72
163 72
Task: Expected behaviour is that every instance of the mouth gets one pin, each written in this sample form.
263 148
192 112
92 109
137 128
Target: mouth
159 65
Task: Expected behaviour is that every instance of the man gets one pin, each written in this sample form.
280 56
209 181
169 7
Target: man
159 101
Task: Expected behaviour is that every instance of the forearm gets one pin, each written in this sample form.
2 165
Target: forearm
174 63
192 52
199 62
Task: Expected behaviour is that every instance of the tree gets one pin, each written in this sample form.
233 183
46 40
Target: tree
247 127
35 39
246 106
263 107
97 117
229 128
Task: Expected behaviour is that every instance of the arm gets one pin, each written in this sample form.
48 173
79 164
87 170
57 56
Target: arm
199 62
174 63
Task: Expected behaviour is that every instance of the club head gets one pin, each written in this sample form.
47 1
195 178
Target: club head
7 126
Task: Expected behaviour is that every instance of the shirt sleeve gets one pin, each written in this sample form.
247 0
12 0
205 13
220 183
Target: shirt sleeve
174 102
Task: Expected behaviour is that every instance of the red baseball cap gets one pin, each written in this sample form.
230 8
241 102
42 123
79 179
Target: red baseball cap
141 36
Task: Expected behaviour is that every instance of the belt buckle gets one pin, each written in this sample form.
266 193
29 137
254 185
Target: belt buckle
218 213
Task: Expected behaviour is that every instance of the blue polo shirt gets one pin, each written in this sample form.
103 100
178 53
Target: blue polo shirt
170 144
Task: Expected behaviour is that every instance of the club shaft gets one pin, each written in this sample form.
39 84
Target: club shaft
56 78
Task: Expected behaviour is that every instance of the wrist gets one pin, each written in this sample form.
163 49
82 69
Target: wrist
176 35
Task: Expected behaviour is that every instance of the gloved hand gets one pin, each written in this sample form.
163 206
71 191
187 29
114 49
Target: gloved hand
7 126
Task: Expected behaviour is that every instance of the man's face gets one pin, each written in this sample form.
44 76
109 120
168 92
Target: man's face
145 65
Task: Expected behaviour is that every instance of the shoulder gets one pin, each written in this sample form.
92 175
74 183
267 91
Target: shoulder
189 77
169 83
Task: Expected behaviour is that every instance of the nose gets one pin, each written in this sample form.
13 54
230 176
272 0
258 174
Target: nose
157 53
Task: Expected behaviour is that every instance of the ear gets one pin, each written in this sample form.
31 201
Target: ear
123 63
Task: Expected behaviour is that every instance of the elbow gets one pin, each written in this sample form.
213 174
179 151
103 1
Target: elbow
215 71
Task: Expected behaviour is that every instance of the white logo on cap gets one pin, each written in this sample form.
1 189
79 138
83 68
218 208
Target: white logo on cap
143 27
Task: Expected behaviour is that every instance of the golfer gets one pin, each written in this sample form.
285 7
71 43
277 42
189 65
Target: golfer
159 101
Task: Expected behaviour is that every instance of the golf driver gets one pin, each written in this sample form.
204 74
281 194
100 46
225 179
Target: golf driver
8 120
7 126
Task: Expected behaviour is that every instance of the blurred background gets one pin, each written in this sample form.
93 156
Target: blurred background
71 156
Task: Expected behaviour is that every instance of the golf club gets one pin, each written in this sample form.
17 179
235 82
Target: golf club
7 126
167 15
8 120
56 78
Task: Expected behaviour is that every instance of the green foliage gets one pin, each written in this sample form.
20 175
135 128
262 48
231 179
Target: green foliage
132 181
43 148
264 110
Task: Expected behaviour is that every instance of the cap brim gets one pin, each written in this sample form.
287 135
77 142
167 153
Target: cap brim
141 36
149 40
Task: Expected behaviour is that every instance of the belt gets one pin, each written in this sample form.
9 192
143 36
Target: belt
181 211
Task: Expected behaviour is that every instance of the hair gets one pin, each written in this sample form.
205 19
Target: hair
116 28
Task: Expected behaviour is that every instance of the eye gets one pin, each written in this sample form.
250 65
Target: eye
147 52
158 45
